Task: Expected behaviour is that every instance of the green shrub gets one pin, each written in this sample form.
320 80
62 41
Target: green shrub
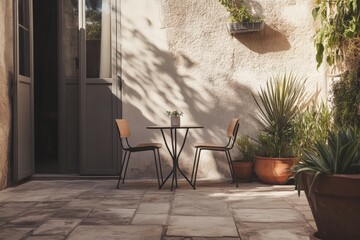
346 100
311 126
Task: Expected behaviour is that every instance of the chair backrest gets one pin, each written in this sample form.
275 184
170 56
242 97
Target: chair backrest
123 127
232 132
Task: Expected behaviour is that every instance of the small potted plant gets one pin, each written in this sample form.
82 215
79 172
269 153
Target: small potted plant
244 165
241 20
175 117
330 175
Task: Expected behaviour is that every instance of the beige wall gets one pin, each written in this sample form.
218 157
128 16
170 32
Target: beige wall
178 55
6 78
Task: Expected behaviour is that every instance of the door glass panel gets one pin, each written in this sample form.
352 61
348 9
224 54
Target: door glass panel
24 38
23 13
98 39
70 39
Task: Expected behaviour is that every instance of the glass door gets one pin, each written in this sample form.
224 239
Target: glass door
100 95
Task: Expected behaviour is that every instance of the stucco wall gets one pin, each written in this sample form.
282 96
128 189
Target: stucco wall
178 55
6 69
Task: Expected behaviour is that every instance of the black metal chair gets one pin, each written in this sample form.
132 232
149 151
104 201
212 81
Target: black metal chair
124 133
232 134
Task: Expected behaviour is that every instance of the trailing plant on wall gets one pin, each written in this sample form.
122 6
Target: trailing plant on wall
338 35
238 11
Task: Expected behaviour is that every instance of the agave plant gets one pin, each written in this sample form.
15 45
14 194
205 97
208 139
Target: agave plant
279 103
339 155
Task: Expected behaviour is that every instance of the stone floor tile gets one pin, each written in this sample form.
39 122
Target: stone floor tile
273 231
154 208
200 208
13 233
50 205
45 238
131 232
24 197
57 227
63 196
73 212
157 198
109 216
313 225
223 238
32 219
268 215
259 203
150 219
114 202
308 215
201 226
6 212
83 203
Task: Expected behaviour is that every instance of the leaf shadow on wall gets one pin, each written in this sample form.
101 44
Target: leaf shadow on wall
153 84
267 40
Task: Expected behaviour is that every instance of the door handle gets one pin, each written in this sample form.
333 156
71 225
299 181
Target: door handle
76 63
120 82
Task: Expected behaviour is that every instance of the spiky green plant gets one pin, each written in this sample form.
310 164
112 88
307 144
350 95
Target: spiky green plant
278 105
246 147
339 155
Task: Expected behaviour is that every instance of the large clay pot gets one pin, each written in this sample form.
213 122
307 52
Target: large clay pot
335 204
243 170
274 170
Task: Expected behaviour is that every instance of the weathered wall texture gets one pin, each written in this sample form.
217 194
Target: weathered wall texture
6 69
178 55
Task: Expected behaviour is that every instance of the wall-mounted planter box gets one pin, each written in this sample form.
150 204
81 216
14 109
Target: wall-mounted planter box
243 27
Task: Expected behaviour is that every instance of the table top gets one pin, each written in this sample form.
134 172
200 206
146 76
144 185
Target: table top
174 127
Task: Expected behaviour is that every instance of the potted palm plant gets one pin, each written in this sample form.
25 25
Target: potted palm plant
241 20
278 105
244 165
330 175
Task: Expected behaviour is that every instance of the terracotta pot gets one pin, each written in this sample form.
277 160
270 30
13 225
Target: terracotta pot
243 170
274 170
335 204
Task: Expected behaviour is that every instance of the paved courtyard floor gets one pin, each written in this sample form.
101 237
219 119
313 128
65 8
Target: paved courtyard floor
95 209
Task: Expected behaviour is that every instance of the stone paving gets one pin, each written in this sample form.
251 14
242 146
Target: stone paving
95 209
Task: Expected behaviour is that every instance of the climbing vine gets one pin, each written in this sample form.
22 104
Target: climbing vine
338 35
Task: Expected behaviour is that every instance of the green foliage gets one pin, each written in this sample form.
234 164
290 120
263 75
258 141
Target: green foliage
238 11
339 155
346 100
247 148
279 104
311 126
339 24
174 113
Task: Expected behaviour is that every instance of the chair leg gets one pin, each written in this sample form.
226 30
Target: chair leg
231 167
197 167
127 164
193 170
157 171
122 167
161 175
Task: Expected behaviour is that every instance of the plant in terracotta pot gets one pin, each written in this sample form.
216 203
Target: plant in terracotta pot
330 175
244 165
175 117
241 20
278 105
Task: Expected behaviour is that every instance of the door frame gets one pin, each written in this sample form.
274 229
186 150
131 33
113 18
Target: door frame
19 79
